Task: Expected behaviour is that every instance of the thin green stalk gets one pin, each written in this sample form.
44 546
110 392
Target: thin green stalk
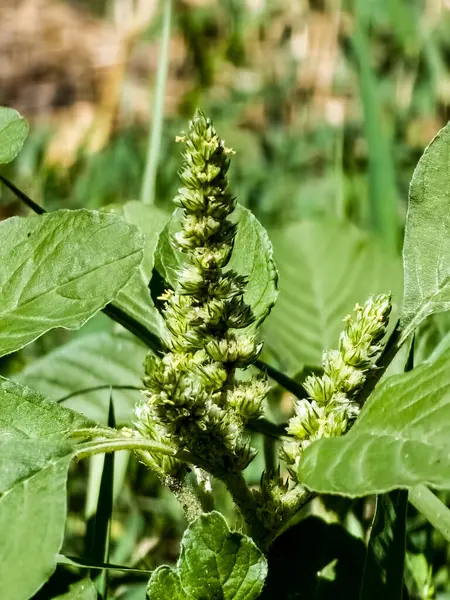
155 131
432 508
131 443
270 454
245 501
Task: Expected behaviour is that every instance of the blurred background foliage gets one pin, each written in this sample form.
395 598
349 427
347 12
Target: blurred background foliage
328 105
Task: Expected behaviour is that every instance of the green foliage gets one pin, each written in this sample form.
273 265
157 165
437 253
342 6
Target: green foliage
383 572
426 250
197 288
82 590
35 455
135 299
98 359
325 268
214 563
58 270
13 131
400 439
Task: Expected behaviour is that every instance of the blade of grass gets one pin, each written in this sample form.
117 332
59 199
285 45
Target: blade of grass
82 563
382 184
155 131
100 530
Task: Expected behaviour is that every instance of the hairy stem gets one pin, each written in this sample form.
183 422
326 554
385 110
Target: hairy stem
245 501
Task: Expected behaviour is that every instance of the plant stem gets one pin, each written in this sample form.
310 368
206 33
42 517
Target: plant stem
245 501
432 508
184 492
154 140
119 316
104 446
286 382
270 457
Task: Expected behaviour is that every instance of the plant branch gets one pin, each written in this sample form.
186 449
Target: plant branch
115 445
133 326
286 382
23 197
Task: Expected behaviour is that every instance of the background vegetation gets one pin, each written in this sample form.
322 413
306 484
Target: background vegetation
328 105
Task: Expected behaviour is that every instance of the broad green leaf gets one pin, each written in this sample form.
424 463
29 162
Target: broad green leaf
214 563
59 269
400 439
81 590
34 461
252 256
383 573
165 584
314 560
325 268
13 131
135 299
32 519
90 361
426 249
24 413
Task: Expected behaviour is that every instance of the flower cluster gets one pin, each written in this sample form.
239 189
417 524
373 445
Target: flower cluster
332 404
192 398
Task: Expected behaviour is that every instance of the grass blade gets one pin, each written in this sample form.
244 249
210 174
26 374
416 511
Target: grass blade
98 532
383 190
154 139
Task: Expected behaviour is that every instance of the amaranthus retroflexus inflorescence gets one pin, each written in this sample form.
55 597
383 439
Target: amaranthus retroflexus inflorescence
332 404
192 398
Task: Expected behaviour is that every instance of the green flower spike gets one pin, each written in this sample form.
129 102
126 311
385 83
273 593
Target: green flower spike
192 397
331 407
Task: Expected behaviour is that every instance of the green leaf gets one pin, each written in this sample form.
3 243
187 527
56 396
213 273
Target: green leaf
400 439
13 132
24 413
214 563
34 461
59 269
32 518
135 299
325 268
81 590
252 256
426 249
87 362
386 549
314 560
165 584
